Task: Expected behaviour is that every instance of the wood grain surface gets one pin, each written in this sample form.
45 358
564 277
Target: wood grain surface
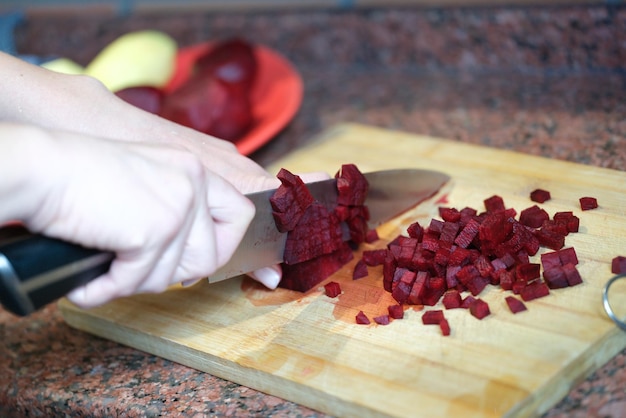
307 348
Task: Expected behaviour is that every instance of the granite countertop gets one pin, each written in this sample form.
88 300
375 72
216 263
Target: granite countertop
547 81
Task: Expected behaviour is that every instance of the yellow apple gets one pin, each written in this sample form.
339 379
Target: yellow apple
141 58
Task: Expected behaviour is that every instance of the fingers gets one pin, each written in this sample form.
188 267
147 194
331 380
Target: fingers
268 276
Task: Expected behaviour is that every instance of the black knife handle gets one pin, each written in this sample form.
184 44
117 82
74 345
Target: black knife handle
36 270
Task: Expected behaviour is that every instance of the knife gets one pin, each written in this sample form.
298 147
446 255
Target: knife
36 270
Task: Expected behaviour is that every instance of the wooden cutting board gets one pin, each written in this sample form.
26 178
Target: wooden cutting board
307 348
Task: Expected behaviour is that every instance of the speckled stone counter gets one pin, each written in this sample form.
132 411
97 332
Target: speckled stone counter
548 81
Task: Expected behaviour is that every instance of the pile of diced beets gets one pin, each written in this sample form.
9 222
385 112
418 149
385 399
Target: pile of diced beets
452 259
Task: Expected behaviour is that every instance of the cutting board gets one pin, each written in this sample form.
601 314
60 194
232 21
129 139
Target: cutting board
308 349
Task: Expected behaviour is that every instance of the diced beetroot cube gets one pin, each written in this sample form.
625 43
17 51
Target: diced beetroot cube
360 270
452 299
449 231
430 242
290 200
533 216
495 228
382 320
433 317
445 327
588 203
479 309
618 265
401 292
550 260
371 236
571 221
374 257
484 266
451 280
467 274
535 290
352 186
418 289
527 272
550 239
415 230
518 286
389 268
435 288
494 204
362 319
568 256
396 311
333 289
435 227
467 301
477 285
515 305
540 195
507 279
572 274
467 234
555 277
459 257
450 214
442 256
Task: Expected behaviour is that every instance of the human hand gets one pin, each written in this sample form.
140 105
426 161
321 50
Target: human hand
166 217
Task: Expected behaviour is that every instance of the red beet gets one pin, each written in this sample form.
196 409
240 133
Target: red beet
360 270
147 98
382 320
494 204
533 216
450 214
479 309
572 274
333 289
232 61
540 195
290 201
515 305
362 319
433 317
555 277
396 311
445 327
374 257
618 265
534 290
588 203
452 299
352 186
527 272
371 236
307 274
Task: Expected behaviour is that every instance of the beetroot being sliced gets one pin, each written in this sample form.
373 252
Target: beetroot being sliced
479 309
318 232
351 185
514 304
618 265
540 195
307 274
290 201
362 319
588 203
332 289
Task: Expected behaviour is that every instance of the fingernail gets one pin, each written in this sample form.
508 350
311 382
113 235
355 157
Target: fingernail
268 276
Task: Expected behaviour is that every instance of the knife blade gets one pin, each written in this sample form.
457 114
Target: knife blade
36 270
391 192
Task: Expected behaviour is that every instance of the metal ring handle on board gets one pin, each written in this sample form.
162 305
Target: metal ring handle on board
607 305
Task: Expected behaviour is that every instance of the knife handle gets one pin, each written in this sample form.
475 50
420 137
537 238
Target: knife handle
36 270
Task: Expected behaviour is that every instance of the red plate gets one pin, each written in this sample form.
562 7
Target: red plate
276 95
